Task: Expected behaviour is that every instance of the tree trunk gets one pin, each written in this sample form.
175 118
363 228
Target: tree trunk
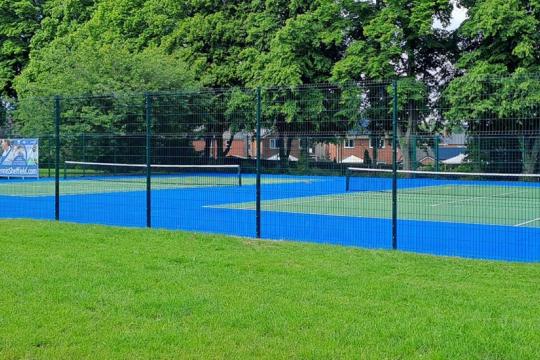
219 149
229 145
476 154
304 152
530 154
405 145
207 145
289 147
406 140
375 152
283 163
283 158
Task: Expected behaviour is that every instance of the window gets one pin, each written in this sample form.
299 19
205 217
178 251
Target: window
304 143
274 143
377 142
348 144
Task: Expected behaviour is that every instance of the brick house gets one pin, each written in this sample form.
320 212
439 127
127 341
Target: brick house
450 147
350 150
353 149
244 146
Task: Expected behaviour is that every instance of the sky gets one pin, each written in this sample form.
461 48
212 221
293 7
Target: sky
458 16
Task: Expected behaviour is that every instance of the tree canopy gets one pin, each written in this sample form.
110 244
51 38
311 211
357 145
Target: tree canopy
89 47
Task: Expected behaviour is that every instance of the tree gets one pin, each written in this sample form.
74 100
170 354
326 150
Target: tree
500 114
210 36
291 44
19 20
400 41
60 18
93 69
367 158
26 25
497 96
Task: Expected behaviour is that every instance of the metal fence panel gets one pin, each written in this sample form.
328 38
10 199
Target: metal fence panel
378 164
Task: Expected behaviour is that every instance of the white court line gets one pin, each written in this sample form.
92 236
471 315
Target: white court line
271 204
476 198
527 222
295 201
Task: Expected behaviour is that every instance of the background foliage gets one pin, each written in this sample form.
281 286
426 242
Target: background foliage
89 47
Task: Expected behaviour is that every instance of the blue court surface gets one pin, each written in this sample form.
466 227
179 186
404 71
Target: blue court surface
476 219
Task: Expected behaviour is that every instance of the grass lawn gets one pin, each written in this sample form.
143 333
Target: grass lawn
77 291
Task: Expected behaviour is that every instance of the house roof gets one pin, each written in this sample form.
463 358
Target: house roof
352 160
444 152
456 160
450 152
454 139
276 157
424 158
422 153
242 135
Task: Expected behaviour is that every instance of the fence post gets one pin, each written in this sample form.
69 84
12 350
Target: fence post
394 163
57 158
437 156
83 153
148 113
375 140
258 181
522 150
412 151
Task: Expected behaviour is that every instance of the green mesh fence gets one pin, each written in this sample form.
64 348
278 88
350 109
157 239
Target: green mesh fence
443 169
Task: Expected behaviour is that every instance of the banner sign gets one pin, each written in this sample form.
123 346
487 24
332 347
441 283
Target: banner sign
19 158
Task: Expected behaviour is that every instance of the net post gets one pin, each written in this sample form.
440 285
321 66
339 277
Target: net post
239 175
57 158
258 166
394 163
50 157
148 115
347 179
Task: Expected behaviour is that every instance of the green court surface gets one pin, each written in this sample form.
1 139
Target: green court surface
495 205
93 185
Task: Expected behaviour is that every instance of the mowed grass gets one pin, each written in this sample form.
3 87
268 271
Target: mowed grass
498 205
77 291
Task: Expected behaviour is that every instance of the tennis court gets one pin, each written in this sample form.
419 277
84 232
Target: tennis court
459 216
106 184
94 178
455 201
467 202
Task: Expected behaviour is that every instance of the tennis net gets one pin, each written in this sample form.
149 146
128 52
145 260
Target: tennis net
355 177
162 175
487 198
